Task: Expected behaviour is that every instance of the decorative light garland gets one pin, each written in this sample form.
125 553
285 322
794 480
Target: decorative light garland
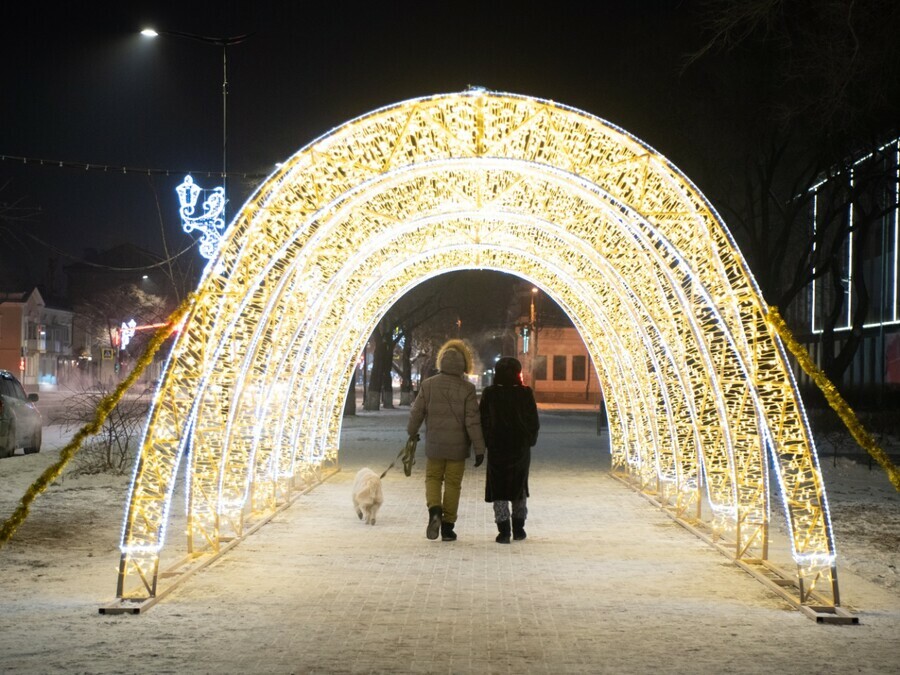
210 223
104 408
837 402
126 332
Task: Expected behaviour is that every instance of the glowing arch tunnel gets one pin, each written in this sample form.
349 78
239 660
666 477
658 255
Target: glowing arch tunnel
699 397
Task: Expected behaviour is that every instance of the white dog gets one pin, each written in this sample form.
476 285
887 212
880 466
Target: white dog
367 495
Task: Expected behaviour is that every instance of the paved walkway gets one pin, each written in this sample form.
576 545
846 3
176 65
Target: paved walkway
604 583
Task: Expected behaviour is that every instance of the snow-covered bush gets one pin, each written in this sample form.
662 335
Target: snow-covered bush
113 449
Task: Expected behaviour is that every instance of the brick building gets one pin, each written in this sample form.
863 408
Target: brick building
35 340
556 364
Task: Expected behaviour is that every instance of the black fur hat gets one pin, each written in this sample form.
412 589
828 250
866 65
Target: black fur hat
507 371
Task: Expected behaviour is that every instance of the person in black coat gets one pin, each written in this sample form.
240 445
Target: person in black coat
509 421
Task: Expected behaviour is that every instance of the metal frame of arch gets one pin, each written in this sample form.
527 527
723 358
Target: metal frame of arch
700 399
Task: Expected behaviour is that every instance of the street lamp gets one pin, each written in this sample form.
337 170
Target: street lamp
224 43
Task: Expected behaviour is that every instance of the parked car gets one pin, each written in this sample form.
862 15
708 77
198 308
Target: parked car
20 421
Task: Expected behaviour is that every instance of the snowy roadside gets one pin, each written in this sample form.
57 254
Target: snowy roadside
88 510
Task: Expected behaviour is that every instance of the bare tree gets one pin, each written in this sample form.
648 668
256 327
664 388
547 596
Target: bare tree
412 331
835 65
811 98
397 329
99 317
16 248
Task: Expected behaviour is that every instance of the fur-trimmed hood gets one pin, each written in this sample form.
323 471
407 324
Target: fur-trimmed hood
455 358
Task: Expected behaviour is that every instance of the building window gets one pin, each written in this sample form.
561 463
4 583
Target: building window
559 367
579 368
540 367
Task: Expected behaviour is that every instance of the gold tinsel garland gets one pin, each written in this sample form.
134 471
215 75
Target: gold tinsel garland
93 427
834 398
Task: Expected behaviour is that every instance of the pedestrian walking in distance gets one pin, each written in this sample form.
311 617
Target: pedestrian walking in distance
448 406
509 422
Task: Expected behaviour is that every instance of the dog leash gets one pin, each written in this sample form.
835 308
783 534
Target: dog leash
408 453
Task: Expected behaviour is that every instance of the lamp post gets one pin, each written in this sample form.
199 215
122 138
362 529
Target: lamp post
224 43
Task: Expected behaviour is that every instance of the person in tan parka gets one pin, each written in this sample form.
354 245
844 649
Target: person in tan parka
449 407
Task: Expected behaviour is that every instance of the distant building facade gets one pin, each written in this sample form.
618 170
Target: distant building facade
556 364
35 340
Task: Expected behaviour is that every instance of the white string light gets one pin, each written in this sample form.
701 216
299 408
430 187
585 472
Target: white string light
210 223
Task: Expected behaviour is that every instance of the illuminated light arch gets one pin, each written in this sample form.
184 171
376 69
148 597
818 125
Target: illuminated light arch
699 395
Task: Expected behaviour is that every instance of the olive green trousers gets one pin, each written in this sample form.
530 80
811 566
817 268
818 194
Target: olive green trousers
443 484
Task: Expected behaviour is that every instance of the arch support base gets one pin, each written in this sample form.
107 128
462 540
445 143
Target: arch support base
796 588
144 596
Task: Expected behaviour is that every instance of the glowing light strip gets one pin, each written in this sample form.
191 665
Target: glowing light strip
844 329
137 465
637 302
675 286
856 163
364 298
815 282
226 504
814 458
850 238
127 548
363 337
760 411
275 391
896 284
895 288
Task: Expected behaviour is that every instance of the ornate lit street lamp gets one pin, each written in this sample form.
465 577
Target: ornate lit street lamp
224 43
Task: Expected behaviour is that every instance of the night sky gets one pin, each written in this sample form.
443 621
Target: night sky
82 86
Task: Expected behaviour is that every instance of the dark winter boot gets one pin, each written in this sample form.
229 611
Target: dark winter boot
434 522
518 528
447 533
503 529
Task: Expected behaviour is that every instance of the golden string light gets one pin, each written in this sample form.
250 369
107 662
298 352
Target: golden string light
698 391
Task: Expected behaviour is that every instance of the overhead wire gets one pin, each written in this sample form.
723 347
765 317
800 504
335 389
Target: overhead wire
89 263
88 166
29 212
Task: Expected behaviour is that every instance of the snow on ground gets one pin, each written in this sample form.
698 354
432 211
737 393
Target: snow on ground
605 582
865 513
